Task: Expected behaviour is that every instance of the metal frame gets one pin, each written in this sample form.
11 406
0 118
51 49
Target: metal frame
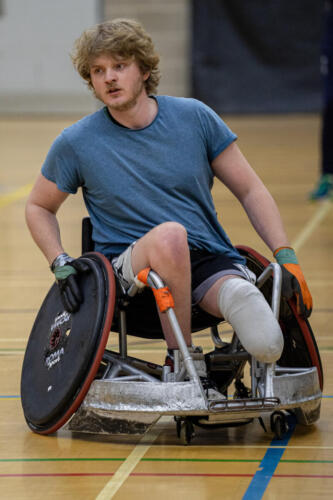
135 393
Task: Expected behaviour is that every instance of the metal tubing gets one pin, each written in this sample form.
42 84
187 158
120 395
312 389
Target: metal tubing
130 378
215 337
253 377
122 335
127 368
138 373
112 372
217 357
273 270
155 281
270 368
183 347
176 361
281 369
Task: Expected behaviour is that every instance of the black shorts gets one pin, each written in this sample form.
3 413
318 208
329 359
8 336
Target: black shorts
207 268
142 318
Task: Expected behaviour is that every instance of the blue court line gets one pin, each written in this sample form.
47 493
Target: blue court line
266 469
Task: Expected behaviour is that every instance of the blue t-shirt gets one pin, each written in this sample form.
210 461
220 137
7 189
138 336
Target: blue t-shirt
135 179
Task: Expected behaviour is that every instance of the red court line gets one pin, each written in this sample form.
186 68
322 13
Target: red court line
163 474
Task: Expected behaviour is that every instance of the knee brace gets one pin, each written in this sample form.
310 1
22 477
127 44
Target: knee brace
246 309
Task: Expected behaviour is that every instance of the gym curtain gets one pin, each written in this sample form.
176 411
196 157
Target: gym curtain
257 56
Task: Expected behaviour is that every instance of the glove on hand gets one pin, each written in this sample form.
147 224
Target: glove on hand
293 281
65 268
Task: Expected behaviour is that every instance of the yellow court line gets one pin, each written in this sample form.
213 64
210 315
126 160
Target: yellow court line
312 225
131 462
13 340
18 194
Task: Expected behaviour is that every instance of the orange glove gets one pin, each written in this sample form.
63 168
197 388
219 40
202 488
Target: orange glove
293 281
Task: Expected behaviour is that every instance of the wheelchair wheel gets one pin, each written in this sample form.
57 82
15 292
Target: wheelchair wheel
300 347
186 433
279 425
64 351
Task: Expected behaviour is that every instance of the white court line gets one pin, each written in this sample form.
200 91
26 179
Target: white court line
141 448
313 223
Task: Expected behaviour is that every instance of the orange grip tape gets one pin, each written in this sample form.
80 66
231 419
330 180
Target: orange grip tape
143 275
296 271
164 299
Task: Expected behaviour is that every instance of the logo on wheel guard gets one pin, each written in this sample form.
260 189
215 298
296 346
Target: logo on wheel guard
54 357
59 320
57 339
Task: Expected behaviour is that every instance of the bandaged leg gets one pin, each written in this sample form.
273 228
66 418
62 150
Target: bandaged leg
246 309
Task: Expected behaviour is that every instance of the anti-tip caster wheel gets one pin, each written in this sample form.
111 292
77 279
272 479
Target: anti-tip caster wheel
186 431
279 425
178 425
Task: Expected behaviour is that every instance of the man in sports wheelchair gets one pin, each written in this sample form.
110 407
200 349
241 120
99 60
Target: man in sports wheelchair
146 165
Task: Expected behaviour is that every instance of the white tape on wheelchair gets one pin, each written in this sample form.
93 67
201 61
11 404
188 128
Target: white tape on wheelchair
246 309
122 266
138 282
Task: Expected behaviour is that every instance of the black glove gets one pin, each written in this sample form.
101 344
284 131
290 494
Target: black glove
65 268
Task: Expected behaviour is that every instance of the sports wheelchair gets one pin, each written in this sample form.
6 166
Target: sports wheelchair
69 377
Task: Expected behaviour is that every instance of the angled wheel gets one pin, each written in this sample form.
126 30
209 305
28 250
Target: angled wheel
64 350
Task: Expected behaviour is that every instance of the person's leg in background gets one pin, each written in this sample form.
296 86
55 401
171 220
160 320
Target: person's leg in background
324 187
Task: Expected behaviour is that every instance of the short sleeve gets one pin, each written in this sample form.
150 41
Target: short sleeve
217 134
61 166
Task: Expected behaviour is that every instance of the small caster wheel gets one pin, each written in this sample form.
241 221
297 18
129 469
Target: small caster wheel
279 424
178 426
186 432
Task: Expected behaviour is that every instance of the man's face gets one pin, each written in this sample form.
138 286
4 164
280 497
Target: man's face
118 83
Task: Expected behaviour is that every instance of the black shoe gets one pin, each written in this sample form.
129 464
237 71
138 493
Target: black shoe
211 389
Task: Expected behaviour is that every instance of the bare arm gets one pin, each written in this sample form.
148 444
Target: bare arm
41 208
232 168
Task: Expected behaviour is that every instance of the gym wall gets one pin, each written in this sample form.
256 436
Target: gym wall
169 23
36 37
238 56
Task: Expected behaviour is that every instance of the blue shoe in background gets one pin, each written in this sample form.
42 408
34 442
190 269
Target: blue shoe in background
324 188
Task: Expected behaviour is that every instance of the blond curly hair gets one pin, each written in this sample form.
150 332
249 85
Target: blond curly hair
123 38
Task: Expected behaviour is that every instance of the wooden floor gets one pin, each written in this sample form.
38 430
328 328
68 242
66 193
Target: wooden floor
234 463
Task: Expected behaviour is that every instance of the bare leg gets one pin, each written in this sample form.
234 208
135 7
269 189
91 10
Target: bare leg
165 250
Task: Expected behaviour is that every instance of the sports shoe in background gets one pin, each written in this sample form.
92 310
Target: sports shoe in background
324 188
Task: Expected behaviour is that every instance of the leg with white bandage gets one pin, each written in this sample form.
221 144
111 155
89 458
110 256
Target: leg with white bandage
245 308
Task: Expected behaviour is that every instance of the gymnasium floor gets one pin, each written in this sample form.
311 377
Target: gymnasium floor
234 463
